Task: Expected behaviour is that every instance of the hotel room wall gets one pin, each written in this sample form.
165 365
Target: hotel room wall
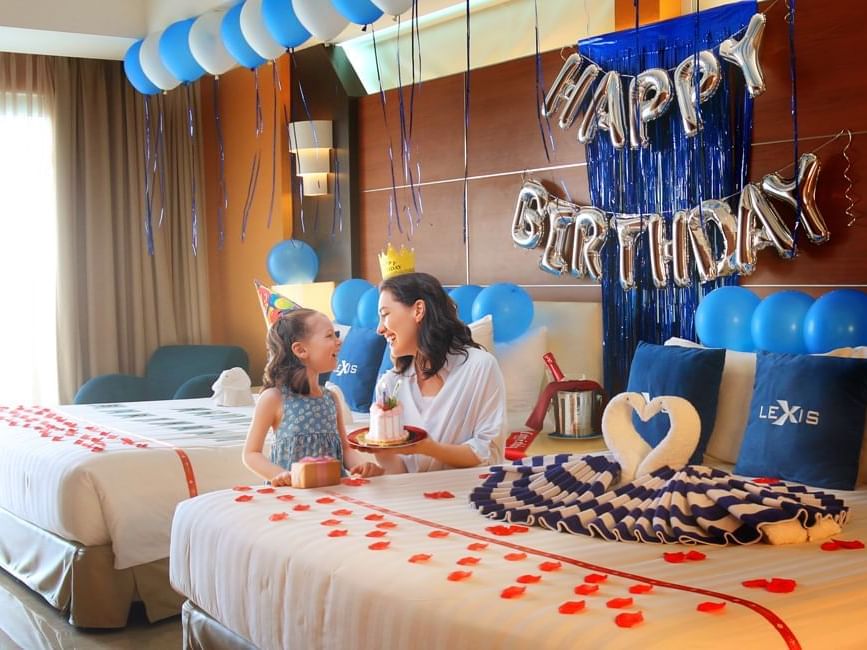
504 141
236 317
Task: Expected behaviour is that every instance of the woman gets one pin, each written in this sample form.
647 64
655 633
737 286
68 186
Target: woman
448 385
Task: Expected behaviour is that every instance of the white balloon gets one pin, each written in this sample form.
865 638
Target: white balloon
257 35
393 7
152 65
207 45
320 18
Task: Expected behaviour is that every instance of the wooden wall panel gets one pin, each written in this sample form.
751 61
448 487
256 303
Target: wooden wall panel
504 141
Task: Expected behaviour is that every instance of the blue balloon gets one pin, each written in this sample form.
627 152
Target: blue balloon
293 262
282 23
464 297
724 318
136 76
836 320
510 307
778 322
233 39
362 12
367 312
175 51
344 300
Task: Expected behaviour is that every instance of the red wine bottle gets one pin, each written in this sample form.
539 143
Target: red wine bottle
551 362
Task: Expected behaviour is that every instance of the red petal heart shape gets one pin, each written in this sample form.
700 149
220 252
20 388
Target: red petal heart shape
279 516
457 576
242 488
354 482
244 498
330 522
469 561
502 531
619 603
640 589
758 583
386 524
518 529
438 534
781 585
571 607
379 546
301 507
529 579
586 590
851 544
595 578
674 558
343 512
375 517
376 533
477 546
628 619
512 592
325 500
550 566
831 546
338 532
515 557
286 497
696 556
420 557
710 606
268 490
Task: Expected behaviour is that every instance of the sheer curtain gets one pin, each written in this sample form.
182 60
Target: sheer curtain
28 233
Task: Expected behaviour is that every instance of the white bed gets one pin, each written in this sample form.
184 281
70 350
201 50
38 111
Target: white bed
288 584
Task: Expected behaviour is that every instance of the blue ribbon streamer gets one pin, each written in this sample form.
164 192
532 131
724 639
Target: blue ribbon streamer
223 205
194 209
382 103
544 122
160 167
662 178
276 84
254 165
149 235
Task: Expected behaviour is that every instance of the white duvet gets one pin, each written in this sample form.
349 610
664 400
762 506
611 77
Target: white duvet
294 583
126 494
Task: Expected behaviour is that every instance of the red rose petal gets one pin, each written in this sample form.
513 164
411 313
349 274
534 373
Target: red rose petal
354 482
377 533
550 566
765 480
696 556
375 517
457 576
619 603
571 607
628 619
477 546
445 494
518 529
330 522
387 524
640 589
781 585
379 546
759 583
420 557
595 578
515 557
502 531
267 490
710 606
831 546
469 561
244 498
343 512
674 558
851 544
484 475
529 579
286 497
586 590
338 532
438 534
301 506
279 516
325 500
512 592
242 488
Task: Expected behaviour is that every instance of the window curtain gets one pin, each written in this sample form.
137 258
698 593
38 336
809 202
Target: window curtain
115 303
28 233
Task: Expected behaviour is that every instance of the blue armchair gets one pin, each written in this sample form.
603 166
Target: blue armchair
173 372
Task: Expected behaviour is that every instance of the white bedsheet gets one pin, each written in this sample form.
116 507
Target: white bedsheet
126 494
288 584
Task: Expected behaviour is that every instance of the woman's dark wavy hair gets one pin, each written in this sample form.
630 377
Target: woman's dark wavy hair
283 367
440 332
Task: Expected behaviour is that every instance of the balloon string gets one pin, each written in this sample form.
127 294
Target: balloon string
540 91
275 78
847 194
415 39
391 214
304 101
223 205
260 122
194 208
337 221
793 72
466 127
149 237
251 192
405 137
160 162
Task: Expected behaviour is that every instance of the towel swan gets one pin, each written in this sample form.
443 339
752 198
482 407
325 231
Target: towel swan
650 494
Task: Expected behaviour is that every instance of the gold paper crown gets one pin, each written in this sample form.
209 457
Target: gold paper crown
393 262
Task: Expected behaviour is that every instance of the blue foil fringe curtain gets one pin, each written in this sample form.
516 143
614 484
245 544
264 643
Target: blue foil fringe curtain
674 173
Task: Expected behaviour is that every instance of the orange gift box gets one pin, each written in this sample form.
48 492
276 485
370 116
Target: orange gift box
315 472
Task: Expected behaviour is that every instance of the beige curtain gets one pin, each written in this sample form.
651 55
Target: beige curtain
116 303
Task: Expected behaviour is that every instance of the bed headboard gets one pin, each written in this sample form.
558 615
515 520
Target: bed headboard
574 336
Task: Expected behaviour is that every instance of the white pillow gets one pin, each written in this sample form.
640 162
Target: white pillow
735 398
482 331
523 369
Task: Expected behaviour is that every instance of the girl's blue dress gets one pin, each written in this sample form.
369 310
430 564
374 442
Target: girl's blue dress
308 428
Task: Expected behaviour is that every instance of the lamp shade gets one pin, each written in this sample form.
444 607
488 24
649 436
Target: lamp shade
310 134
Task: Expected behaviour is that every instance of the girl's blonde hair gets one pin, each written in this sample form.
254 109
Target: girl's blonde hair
283 367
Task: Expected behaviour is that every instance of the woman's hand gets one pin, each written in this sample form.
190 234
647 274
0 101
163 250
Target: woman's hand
283 479
367 470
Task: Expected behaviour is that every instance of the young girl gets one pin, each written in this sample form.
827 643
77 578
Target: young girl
306 419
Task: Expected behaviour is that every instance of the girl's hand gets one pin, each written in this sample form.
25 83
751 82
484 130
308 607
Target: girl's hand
366 470
283 479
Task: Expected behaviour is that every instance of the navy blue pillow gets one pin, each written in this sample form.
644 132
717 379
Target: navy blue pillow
357 366
806 420
692 373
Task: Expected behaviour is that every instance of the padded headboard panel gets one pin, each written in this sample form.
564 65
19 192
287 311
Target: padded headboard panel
574 336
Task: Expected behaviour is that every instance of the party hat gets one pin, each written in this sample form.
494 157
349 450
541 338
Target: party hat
273 304
396 262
